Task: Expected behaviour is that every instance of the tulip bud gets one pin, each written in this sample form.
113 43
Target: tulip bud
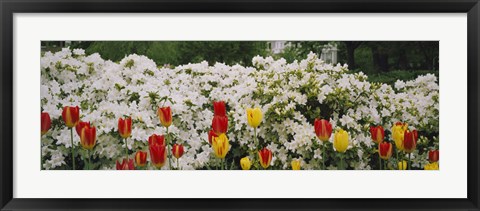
220 124
323 129
402 165
88 137
245 163
295 164
410 141
340 140
165 116
254 117
431 166
385 150
433 155
177 150
377 133
158 155
125 165
71 115
80 125
398 132
211 135
155 139
141 158
46 123
220 145
265 157
125 127
219 108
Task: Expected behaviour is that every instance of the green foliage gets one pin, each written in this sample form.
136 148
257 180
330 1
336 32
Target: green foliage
164 52
229 52
363 60
117 50
373 56
179 52
290 54
392 76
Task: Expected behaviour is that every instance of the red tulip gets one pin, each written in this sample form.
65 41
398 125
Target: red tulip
88 137
220 124
177 150
71 115
141 158
211 135
265 157
46 123
385 150
158 155
125 165
433 155
80 125
378 134
156 140
410 141
219 108
125 127
165 116
323 129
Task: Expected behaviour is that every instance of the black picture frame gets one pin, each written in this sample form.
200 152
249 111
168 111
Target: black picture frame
9 7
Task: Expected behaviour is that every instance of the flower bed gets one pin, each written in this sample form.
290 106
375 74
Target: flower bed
290 97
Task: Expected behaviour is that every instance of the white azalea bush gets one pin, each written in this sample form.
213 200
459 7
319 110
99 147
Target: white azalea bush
290 95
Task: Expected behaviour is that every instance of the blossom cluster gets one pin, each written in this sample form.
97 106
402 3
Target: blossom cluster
290 95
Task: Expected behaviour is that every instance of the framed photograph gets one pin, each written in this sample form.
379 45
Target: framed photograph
242 105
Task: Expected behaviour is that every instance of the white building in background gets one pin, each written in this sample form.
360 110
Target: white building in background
329 51
277 47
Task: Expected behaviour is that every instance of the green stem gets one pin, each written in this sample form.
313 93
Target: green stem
169 153
126 149
255 146
73 151
178 166
41 154
341 162
385 164
379 160
409 161
85 160
90 160
221 161
398 160
255 134
401 159
323 156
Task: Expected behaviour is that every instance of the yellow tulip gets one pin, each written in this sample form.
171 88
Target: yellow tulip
295 164
431 166
254 117
220 145
340 140
245 163
402 165
398 132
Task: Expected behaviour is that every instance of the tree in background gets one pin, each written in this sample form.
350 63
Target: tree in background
374 56
300 49
179 52
350 47
383 61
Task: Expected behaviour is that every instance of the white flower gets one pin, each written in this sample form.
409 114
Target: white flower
136 87
79 52
399 84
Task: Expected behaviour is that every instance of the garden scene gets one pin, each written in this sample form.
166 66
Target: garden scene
233 105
